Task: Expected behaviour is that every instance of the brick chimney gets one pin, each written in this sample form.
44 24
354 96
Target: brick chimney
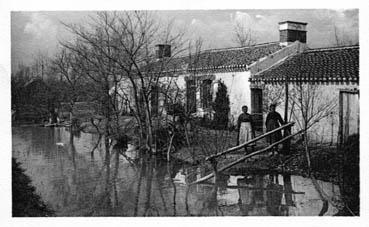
291 31
163 51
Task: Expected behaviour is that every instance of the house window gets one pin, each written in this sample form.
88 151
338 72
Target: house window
206 97
191 95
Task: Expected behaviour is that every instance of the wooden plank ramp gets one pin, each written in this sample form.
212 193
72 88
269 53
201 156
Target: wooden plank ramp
246 157
249 142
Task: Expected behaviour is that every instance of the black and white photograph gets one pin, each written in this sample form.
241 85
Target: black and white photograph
185 112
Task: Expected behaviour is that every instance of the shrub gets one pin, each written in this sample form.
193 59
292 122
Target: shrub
221 107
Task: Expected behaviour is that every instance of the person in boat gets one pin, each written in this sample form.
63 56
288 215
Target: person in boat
245 127
273 121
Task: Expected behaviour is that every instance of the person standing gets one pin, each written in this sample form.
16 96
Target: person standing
273 121
245 127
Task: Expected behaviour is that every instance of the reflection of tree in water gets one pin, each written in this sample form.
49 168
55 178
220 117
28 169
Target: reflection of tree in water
274 196
287 183
122 184
43 142
79 184
222 182
210 204
137 196
106 197
150 209
246 198
89 189
155 170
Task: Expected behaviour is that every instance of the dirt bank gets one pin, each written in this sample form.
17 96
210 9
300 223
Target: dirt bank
25 201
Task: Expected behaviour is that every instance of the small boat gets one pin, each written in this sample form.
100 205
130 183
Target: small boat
56 125
51 125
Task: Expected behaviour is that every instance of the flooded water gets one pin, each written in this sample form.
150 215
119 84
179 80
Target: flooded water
121 183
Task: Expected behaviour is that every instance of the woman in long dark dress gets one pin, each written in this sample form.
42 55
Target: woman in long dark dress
273 121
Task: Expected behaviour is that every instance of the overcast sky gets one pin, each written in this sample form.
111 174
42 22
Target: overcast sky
35 32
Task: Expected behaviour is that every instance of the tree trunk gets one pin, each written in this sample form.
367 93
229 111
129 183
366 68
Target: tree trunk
170 147
307 152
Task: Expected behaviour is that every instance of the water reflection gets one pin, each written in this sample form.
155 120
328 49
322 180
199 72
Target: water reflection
124 182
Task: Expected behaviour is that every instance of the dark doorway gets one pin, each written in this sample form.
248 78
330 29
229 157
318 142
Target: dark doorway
206 97
191 95
257 108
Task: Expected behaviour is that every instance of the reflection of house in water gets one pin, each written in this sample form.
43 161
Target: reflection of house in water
261 195
278 195
259 200
228 196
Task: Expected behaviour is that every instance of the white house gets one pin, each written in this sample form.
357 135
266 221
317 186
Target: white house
252 73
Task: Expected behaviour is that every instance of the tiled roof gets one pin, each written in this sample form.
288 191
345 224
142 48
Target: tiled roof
340 64
227 59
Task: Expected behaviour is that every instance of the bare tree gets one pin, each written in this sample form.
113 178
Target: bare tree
311 104
118 50
243 36
311 107
275 96
342 39
40 65
307 106
64 65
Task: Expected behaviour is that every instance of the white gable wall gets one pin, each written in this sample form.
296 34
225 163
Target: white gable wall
238 86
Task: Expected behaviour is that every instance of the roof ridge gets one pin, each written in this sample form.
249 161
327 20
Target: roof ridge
237 48
331 48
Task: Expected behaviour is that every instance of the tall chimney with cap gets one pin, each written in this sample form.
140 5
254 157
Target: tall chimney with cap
163 51
291 31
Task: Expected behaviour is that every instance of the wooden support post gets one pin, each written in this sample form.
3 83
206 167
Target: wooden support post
340 130
286 102
286 131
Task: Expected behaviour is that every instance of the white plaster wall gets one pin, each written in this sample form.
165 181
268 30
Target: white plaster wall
181 82
238 86
125 87
177 89
326 130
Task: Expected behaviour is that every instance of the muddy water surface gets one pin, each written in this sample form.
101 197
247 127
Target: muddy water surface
123 183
